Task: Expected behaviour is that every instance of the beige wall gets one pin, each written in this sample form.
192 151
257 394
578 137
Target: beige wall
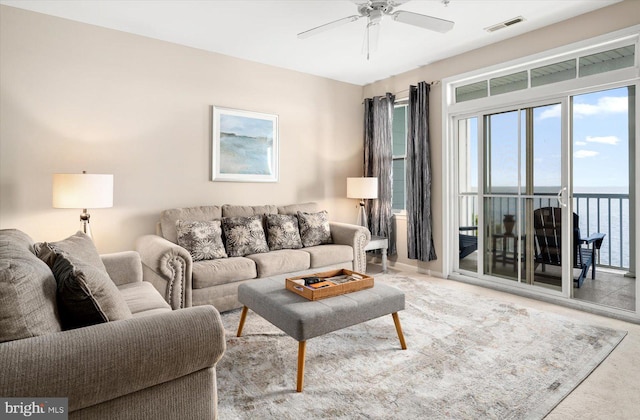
79 97
609 19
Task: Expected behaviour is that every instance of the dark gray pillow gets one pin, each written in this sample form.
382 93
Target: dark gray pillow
203 240
86 294
244 235
314 228
283 232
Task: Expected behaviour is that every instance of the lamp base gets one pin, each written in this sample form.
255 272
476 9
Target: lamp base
362 216
85 227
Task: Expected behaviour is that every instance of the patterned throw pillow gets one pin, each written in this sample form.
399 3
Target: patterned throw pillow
245 235
282 232
203 240
314 228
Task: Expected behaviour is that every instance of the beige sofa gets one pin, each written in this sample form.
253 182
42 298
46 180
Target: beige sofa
184 282
157 363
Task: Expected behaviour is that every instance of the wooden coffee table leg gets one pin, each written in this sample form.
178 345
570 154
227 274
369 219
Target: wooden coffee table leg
301 353
396 321
243 316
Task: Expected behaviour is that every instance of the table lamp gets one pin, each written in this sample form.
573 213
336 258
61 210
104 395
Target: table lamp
362 188
83 191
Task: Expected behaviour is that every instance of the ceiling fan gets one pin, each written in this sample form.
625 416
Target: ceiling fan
376 10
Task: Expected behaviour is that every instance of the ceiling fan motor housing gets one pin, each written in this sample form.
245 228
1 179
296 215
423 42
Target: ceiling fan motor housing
375 8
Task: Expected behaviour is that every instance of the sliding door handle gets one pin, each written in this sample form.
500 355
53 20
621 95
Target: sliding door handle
560 200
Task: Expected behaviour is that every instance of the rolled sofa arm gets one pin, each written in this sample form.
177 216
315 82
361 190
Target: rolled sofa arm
168 267
102 362
123 267
357 237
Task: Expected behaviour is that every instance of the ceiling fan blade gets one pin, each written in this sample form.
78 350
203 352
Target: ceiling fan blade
423 21
327 26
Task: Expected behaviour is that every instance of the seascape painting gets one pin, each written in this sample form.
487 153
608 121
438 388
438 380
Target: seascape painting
245 146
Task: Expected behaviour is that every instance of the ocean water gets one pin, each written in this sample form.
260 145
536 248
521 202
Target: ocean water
605 210
245 155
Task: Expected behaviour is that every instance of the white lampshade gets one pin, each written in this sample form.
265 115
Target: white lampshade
82 191
362 188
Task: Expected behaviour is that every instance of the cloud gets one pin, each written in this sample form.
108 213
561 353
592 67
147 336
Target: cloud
613 140
581 143
605 105
553 112
580 154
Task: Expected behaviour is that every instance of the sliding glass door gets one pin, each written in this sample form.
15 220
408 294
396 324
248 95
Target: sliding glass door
520 170
545 196
523 183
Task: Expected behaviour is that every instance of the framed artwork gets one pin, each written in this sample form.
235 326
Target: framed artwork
244 146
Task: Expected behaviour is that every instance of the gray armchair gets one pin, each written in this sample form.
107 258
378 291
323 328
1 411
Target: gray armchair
157 364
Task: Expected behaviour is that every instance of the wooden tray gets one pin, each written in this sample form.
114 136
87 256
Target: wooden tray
296 284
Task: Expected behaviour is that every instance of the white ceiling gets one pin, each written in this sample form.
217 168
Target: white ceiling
265 30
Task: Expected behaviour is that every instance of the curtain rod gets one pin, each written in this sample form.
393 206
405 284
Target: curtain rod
432 83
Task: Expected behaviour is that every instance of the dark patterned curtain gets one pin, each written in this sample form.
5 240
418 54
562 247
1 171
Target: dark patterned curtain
419 233
378 160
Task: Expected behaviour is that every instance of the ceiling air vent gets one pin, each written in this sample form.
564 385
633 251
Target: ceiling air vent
504 24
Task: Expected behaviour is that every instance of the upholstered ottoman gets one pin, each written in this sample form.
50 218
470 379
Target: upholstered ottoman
303 319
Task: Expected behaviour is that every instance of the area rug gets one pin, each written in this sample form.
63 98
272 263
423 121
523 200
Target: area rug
468 357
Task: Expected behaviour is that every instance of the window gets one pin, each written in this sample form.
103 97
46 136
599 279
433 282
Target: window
399 141
621 57
556 128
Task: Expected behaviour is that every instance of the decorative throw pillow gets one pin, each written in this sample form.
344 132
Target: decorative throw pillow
314 228
203 240
283 232
28 305
85 293
244 235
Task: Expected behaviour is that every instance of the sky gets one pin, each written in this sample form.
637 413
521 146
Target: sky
601 139
600 144
246 126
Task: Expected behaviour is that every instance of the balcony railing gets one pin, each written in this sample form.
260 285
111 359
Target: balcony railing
597 212
609 214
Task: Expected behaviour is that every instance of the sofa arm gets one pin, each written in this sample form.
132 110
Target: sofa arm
102 362
123 267
357 237
168 267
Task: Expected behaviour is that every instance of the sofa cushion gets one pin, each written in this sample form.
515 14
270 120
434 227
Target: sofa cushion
216 272
314 228
85 293
280 262
325 255
229 210
143 299
244 235
168 218
203 239
283 232
27 290
295 208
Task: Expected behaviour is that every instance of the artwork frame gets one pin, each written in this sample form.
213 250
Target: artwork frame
245 146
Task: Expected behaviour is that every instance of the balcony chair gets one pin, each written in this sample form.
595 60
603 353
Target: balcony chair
467 243
547 225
